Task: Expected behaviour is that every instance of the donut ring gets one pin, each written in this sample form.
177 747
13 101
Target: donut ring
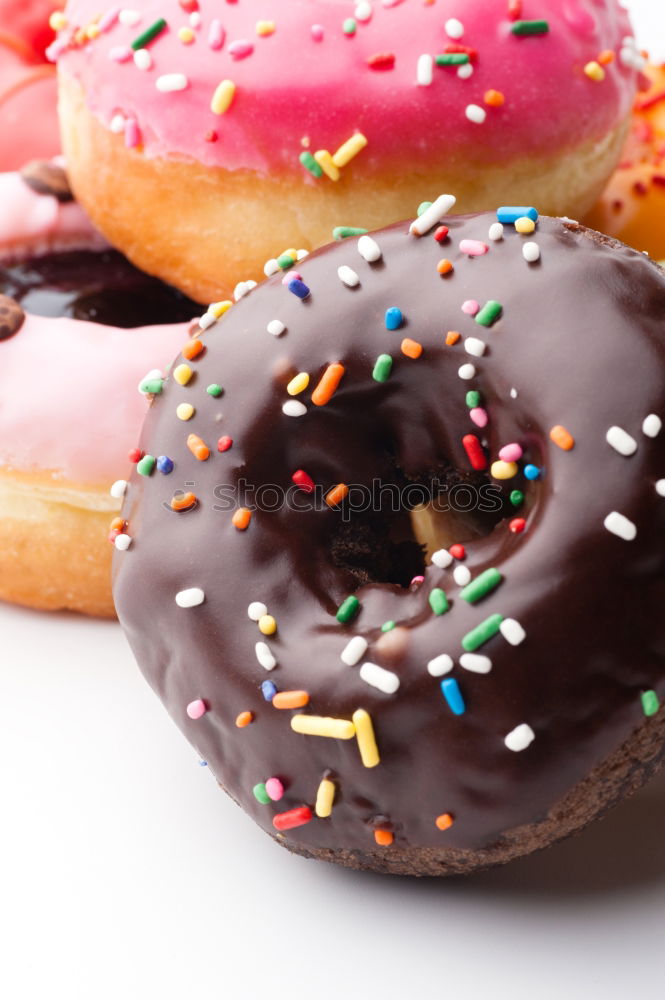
510 692
68 402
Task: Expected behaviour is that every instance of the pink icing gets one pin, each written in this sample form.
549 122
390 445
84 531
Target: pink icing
309 85
68 389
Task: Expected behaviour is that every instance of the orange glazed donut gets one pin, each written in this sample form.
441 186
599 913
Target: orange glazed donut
203 141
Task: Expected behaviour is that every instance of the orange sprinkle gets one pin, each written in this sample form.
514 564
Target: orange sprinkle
244 719
337 494
198 447
192 348
494 98
241 519
444 266
411 348
562 438
444 821
384 838
605 57
452 337
117 524
290 699
328 383
183 501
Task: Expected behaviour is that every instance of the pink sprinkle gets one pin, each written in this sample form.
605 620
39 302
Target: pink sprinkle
120 53
55 49
416 582
474 248
109 19
317 32
132 133
241 49
479 416
216 35
196 708
511 452
290 275
470 307
275 789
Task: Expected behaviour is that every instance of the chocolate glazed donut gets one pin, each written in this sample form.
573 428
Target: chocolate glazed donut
364 702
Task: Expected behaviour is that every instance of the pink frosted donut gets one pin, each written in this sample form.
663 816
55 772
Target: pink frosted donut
28 93
68 399
234 137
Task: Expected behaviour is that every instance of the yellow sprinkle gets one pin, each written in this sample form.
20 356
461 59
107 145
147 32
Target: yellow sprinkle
369 752
525 225
349 149
298 384
218 309
186 35
325 161
318 725
594 71
325 797
265 28
222 99
267 625
92 31
184 411
290 252
57 21
182 374
503 470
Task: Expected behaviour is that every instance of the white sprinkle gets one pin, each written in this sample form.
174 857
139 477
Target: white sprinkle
619 525
475 113
117 124
256 610
348 276
462 575
189 598
301 254
123 542
495 231
271 267
531 252
437 210
465 71
363 11
242 288
294 408
276 327
170 82
520 737
466 372
474 346
660 487
376 676
369 249
442 558
264 656
475 662
130 18
514 394
652 425
424 70
440 665
119 489
453 28
621 441
142 59
512 631
195 19
354 651
207 320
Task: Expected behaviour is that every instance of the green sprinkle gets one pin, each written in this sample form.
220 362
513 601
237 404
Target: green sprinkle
149 34
517 498
285 261
438 601
349 26
309 163
451 59
473 399
489 313
214 390
382 368
146 465
348 609
422 207
530 27
481 586
388 626
343 232
650 703
152 385
481 633
260 794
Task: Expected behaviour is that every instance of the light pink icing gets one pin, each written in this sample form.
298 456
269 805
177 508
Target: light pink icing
294 89
68 389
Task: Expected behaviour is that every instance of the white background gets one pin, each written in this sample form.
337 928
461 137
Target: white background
125 874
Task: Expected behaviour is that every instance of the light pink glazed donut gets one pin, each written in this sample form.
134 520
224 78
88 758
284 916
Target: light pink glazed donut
231 136
68 399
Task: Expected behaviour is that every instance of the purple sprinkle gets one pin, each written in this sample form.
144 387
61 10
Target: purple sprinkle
216 35
241 49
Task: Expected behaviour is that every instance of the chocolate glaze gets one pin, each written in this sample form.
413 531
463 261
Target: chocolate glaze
580 343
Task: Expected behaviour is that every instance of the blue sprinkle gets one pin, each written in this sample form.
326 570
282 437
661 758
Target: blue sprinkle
394 318
453 695
269 690
203 763
532 472
298 288
511 213
164 465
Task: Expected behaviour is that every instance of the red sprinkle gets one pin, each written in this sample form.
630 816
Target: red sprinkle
189 5
517 525
457 551
441 233
294 817
224 443
381 60
211 135
514 9
305 482
471 53
474 451
135 456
